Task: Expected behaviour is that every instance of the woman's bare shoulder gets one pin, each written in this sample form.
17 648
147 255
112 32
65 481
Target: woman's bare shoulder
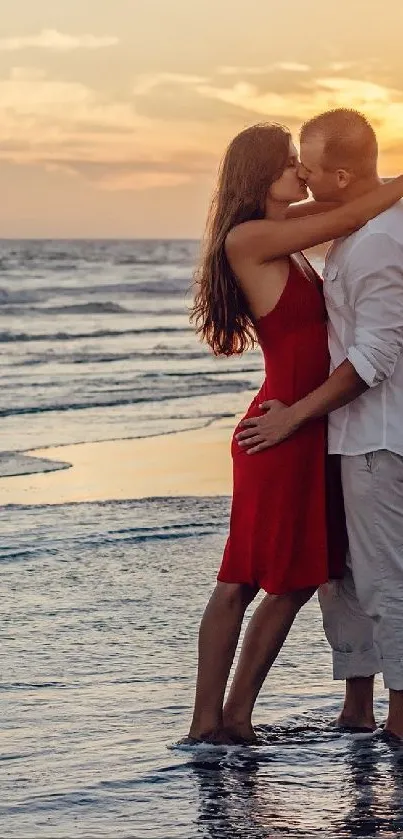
249 243
243 235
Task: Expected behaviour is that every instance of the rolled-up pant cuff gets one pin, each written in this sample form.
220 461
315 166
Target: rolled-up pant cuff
392 670
355 664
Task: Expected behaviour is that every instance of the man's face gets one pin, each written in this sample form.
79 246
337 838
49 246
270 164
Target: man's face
323 184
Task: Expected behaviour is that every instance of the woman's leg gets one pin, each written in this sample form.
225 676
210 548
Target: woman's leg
264 637
218 638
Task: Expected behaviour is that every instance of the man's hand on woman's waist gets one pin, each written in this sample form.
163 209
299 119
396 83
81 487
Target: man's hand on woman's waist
280 421
275 425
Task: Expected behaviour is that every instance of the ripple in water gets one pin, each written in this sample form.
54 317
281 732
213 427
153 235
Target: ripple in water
99 628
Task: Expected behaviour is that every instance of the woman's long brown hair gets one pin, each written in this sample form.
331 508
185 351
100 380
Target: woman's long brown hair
253 161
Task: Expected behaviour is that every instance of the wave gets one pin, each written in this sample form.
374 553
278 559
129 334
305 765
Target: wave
9 337
158 533
205 386
138 260
172 286
14 307
29 553
47 289
12 297
110 358
135 536
18 463
153 259
10 305
202 377
106 307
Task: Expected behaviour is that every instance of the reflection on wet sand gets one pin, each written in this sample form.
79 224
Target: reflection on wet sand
228 798
263 792
374 789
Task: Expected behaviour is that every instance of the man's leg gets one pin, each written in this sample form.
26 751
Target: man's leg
373 488
358 708
350 634
218 638
264 637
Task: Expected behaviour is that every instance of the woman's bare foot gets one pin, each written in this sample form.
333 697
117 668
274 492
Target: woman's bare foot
241 738
240 731
217 737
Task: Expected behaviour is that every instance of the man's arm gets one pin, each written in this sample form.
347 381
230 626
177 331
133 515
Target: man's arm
281 420
342 386
376 294
310 208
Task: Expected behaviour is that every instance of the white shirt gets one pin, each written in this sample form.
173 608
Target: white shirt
363 286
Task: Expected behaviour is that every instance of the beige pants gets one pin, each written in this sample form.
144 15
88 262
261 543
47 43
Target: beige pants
363 613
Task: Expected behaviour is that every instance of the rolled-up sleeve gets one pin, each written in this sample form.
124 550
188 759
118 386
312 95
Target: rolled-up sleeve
375 269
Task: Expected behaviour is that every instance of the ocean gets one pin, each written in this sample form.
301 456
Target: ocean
101 602
95 343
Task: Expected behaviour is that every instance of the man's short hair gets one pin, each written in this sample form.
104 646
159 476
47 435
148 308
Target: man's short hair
349 140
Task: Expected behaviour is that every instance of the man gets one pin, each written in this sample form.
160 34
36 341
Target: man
363 286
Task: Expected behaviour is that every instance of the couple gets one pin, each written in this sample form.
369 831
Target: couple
287 531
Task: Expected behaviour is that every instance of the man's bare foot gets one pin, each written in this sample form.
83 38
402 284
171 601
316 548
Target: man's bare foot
359 722
391 737
394 722
394 729
357 713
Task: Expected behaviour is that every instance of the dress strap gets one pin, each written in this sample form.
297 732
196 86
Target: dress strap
300 260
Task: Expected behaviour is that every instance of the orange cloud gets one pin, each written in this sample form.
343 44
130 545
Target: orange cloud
51 39
112 143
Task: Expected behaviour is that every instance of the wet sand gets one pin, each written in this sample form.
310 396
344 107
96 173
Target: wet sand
196 462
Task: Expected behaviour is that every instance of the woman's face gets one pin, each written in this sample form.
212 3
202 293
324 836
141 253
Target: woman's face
289 187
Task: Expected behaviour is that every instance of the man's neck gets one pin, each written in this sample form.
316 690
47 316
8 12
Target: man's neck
359 187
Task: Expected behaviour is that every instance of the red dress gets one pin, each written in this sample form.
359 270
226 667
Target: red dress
280 517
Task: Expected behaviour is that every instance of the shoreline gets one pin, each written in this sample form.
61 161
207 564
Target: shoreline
195 462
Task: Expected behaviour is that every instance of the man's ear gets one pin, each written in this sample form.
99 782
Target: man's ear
343 178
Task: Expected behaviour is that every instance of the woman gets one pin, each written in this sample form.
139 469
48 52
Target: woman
251 289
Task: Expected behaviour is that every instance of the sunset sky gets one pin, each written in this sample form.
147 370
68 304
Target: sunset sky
114 113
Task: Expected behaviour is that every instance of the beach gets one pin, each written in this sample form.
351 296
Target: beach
115 483
191 463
